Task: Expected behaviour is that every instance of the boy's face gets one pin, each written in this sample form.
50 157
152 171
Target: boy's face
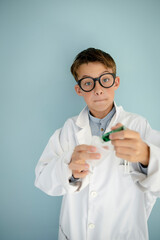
100 99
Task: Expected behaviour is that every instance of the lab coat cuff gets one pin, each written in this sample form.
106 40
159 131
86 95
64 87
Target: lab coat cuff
143 169
65 173
152 181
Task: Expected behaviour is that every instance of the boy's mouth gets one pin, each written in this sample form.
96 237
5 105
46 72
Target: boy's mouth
100 100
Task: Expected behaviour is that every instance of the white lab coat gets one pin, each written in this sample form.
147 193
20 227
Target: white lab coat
109 204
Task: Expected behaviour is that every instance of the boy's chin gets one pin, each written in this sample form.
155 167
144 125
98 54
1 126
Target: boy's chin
100 109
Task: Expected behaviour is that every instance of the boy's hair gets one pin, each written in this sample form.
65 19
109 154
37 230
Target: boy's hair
92 55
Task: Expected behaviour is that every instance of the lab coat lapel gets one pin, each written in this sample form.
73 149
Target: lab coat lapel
84 135
115 118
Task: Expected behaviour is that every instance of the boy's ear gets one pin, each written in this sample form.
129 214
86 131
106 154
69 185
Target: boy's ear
78 90
117 82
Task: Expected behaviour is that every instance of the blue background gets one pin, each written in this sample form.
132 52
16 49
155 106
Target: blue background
38 42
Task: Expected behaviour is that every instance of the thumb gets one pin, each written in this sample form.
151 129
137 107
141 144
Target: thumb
117 126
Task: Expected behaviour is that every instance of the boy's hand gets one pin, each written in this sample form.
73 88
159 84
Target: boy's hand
129 146
78 163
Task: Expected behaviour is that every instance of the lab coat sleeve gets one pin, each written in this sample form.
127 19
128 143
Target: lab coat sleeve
52 171
151 181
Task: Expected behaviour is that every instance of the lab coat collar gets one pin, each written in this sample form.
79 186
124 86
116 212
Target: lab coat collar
83 118
84 136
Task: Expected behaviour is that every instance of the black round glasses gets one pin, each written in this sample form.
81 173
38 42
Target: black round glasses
106 80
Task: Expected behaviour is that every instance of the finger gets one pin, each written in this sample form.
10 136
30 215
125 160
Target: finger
106 147
85 156
129 158
124 134
116 126
84 147
131 143
80 174
127 154
125 151
78 167
123 156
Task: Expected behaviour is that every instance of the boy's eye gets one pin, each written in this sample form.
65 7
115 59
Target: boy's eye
106 80
88 83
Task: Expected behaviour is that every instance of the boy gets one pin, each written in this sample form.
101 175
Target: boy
107 203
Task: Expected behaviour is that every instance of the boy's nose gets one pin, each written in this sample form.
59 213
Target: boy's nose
98 89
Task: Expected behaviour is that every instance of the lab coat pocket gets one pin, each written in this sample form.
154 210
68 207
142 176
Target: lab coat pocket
132 177
124 171
62 234
128 187
129 170
125 167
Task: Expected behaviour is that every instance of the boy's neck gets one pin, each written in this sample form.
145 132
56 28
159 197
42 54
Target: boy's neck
100 115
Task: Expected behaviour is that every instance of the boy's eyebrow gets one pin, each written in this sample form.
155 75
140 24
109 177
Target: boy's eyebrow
90 76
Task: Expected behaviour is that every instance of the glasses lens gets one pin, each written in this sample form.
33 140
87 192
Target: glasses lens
87 84
107 80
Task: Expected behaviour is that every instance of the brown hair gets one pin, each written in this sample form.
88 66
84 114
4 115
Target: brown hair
92 55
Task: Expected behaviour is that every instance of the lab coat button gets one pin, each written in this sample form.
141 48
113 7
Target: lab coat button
91 226
93 194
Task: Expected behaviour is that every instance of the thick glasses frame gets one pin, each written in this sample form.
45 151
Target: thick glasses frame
97 79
